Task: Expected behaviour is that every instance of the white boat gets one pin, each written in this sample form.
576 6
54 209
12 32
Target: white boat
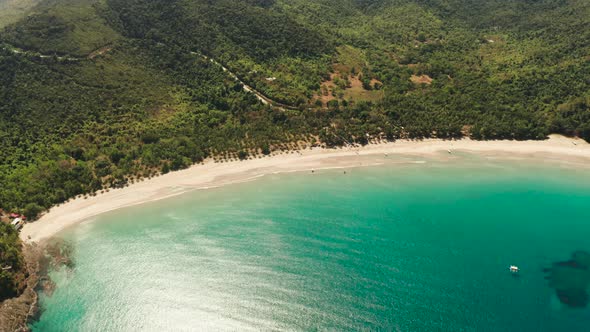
514 269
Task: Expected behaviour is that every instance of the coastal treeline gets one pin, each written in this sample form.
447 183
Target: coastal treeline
11 263
100 94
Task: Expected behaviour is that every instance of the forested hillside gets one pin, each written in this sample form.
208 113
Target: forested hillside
98 93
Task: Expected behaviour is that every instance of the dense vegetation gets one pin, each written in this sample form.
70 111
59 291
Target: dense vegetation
98 93
11 262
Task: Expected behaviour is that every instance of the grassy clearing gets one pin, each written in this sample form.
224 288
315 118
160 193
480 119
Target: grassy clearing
349 70
349 60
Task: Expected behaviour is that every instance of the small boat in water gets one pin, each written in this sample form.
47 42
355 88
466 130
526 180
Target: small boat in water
514 269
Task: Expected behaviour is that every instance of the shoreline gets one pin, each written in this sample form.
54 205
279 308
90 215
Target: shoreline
557 149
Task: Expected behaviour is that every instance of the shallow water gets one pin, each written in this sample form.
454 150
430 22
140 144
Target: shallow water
405 247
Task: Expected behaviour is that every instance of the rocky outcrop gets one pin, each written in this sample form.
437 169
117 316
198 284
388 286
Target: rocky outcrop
16 312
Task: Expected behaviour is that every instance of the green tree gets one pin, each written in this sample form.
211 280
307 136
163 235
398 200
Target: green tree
32 210
242 154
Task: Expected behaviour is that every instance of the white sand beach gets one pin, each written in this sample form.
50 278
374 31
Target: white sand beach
557 149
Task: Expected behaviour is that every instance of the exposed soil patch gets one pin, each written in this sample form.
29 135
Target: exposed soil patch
422 79
99 52
375 83
327 91
349 88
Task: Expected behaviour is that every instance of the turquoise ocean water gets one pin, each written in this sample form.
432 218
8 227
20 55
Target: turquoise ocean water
405 247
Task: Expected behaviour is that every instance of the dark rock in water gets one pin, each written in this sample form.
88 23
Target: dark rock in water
59 253
573 297
571 279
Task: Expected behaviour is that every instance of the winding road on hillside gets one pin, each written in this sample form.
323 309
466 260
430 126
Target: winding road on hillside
261 97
